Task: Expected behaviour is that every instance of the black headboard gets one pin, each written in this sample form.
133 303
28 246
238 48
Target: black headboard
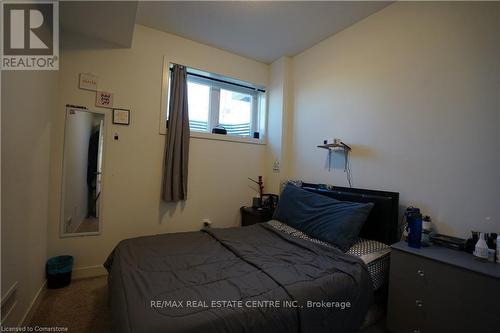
382 223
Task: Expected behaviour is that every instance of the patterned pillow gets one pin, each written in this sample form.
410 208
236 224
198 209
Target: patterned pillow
296 182
374 254
368 250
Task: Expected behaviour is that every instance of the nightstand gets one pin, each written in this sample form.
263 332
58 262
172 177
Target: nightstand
436 289
250 215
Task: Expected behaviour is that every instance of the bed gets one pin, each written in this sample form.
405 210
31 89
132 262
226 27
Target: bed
259 278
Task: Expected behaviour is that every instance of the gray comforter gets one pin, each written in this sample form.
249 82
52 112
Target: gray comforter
251 279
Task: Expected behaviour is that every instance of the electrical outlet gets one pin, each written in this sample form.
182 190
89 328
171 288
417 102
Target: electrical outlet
276 166
206 222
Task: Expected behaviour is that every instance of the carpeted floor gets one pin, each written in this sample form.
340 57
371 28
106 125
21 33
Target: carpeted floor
82 307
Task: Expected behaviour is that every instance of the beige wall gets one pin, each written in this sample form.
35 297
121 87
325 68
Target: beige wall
275 122
131 204
414 89
28 98
280 115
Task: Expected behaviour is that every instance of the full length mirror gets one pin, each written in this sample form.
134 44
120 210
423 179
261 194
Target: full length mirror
82 172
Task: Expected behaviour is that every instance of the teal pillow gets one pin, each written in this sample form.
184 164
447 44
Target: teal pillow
330 220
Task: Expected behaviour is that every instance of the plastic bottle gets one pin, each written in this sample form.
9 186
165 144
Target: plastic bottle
414 219
481 250
498 249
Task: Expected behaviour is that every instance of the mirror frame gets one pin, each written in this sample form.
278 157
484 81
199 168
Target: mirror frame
63 234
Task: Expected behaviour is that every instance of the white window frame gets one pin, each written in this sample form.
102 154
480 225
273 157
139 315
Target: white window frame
214 101
258 109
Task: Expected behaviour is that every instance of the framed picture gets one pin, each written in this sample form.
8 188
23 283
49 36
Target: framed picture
121 116
88 81
104 99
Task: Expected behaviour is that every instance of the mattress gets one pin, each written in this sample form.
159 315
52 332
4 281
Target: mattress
254 279
375 255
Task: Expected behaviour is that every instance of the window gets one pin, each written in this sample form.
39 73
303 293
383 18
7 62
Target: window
199 106
216 101
235 112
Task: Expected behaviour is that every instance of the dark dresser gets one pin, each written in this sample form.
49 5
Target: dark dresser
250 215
436 289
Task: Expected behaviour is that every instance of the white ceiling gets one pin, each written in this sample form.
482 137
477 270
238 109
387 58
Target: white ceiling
110 21
264 31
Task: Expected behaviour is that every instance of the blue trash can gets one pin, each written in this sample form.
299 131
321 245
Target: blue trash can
58 271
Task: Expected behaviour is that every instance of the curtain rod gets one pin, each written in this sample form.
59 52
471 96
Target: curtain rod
220 80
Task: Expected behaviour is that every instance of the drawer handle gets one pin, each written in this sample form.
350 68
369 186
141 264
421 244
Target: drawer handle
416 331
420 272
419 303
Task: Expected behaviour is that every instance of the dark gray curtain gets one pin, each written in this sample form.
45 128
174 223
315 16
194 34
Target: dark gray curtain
175 172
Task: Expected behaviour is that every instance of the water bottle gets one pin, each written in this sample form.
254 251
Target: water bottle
481 249
414 220
498 249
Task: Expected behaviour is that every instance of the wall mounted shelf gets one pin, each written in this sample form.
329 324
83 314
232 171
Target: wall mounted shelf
335 146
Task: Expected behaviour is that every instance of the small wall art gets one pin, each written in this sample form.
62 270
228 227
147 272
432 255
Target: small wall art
104 99
88 81
121 116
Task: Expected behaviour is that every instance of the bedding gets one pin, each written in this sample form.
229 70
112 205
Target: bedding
152 279
324 218
375 255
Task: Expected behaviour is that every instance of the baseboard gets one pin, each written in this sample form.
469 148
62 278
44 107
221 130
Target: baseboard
33 305
9 303
87 272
